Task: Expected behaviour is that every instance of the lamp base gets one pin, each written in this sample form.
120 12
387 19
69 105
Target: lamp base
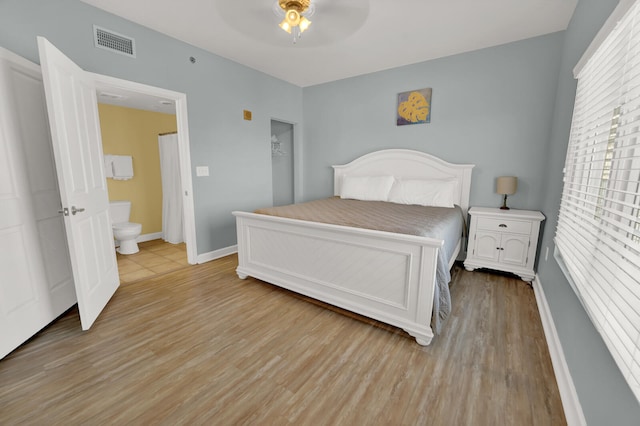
504 203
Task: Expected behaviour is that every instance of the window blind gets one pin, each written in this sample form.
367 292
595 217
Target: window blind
598 232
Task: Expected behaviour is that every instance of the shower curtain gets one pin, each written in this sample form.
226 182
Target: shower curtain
172 220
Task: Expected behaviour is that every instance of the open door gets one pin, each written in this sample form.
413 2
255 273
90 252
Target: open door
77 146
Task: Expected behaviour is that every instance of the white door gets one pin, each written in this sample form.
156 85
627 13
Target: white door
36 284
77 147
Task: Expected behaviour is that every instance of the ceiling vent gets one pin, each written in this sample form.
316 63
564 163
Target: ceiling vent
114 42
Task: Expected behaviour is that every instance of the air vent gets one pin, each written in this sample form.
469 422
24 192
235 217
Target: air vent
114 42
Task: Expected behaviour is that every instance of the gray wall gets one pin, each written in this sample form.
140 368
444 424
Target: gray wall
237 151
491 108
604 394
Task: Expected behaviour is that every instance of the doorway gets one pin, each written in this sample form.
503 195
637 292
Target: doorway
149 137
66 140
282 163
139 96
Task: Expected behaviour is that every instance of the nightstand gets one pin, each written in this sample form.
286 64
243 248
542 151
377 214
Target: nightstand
504 240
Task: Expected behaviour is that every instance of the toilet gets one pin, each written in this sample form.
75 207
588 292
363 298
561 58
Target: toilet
123 230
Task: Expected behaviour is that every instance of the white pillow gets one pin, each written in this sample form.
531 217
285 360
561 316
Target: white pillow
368 188
436 193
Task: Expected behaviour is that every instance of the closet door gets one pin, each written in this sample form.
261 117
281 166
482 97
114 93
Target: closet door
36 283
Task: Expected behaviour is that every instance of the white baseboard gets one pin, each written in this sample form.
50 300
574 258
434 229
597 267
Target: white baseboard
148 237
143 238
570 402
216 254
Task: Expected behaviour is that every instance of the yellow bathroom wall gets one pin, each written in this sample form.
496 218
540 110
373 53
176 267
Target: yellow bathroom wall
134 132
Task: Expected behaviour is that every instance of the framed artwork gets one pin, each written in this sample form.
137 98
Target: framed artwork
414 107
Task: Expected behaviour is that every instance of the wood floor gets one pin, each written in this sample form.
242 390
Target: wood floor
200 346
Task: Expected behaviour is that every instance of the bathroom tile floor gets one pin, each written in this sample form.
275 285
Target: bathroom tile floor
155 257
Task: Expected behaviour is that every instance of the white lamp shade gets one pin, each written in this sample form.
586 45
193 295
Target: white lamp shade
507 185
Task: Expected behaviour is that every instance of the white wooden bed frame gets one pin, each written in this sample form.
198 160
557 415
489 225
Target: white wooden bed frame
385 276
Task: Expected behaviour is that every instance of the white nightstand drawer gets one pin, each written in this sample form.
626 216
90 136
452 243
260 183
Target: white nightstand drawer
504 225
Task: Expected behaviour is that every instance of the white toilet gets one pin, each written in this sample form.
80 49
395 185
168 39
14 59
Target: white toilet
123 230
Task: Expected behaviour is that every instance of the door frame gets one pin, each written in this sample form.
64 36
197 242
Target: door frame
297 156
290 165
180 99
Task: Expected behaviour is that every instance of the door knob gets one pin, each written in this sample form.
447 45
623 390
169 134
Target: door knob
74 210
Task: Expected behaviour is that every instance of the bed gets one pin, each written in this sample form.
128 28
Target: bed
388 276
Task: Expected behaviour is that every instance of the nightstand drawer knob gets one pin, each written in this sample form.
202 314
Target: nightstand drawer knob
502 225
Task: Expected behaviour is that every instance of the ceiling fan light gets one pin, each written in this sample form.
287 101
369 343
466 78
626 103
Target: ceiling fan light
285 25
294 22
304 24
293 17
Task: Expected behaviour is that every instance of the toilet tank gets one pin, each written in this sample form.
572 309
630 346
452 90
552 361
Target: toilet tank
119 211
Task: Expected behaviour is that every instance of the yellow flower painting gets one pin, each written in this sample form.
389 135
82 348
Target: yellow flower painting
414 107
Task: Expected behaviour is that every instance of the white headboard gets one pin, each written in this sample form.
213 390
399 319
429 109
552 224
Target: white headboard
408 164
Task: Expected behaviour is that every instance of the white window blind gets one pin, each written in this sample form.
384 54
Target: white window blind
598 234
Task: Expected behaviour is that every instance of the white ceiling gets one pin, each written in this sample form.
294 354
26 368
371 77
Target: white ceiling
347 37
111 95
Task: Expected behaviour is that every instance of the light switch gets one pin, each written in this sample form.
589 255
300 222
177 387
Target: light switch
202 171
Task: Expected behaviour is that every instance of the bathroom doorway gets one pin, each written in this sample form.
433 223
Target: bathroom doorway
149 137
137 96
80 187
282 163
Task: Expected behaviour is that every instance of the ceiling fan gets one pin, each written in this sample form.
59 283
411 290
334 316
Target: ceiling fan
295 14
333 20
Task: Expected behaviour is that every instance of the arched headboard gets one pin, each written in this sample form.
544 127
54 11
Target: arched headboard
408 164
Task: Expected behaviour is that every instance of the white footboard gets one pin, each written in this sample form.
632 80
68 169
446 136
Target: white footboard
385 276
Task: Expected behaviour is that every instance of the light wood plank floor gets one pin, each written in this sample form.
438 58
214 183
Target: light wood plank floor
200 346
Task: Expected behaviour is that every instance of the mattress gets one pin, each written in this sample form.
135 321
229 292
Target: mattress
435 222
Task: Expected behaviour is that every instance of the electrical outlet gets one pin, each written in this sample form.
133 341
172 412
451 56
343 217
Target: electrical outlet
247 115
546 254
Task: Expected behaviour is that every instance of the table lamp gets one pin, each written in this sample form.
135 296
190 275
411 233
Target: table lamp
506 185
